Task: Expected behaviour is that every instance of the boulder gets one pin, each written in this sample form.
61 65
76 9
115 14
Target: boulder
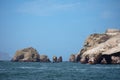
102 48
26 55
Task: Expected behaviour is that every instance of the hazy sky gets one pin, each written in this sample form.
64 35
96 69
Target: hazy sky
54 27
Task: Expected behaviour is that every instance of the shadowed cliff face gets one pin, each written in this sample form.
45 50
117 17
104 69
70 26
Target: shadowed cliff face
102 48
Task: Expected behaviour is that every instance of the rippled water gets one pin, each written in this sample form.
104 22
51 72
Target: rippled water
57 71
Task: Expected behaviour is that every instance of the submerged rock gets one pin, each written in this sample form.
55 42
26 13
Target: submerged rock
26 55
102 48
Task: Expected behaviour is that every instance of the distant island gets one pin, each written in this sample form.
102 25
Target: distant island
98 49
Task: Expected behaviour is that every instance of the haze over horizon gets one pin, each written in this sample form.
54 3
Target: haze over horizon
54 27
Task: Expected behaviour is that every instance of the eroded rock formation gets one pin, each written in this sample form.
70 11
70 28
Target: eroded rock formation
102 48
26 55
74 58
44 58
29 55
60 59
54 59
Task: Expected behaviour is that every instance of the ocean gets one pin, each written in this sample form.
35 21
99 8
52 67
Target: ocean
57 71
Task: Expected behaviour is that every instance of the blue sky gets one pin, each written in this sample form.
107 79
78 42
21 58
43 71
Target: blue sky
54 27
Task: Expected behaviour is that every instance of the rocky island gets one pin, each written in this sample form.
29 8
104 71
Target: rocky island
102 48
29 55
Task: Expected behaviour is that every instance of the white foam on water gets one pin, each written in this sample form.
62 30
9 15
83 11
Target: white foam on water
106 67
79 69
26 67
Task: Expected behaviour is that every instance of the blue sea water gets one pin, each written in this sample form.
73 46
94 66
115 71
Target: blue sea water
57 71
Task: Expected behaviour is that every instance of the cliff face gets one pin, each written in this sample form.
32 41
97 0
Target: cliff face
102 48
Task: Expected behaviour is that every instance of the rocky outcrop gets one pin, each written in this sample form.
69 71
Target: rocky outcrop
29 55
54 59
74 58
102 48
44 58
26 55
60 59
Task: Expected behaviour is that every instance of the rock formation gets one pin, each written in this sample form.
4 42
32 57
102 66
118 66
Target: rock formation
26 55
54 59
74 58
29 55
102 48
60 59
44 58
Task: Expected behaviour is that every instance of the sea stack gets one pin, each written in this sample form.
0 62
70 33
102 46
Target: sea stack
74 58
102 48
26 55
54 59
29 55
60 59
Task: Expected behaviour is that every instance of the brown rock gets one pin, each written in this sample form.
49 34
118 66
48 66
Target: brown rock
84 60
54 59
59 59
72 58
26 55
44 58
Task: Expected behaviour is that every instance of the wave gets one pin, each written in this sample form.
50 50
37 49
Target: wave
38 68
26 67
2 69
106 67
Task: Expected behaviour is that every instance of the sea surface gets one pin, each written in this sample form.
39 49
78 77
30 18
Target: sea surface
57 71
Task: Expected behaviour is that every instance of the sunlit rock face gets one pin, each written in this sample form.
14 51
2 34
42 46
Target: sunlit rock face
102 48
26 55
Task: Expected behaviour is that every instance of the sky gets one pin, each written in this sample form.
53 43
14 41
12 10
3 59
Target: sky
54 27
